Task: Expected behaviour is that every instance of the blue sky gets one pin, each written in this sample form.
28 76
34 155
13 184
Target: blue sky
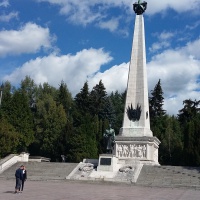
75 41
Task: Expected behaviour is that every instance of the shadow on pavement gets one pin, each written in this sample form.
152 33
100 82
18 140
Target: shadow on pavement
9 192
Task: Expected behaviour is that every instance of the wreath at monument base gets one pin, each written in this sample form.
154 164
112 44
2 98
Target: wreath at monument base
87 167
126 169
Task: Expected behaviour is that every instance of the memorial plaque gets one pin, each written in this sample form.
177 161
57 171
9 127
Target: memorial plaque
105 161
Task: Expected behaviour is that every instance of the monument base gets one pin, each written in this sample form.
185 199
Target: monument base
107 162
109 168
136 131
144 149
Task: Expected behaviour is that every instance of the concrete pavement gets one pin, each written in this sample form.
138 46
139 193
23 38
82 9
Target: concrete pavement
68 190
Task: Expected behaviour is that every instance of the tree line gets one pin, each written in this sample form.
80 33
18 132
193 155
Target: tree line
48 121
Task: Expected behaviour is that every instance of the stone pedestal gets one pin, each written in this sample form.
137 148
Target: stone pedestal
24 157
144 149
107 162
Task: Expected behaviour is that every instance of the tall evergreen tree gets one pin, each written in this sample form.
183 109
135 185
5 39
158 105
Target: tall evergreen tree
171 147
29 88
190 110
65 97
81 105
158 121
44 89
108 111
98 107
82 142
157 113
82 99
50 124
189 117
6 98
118 101
97 100
156 102
9 138
20 116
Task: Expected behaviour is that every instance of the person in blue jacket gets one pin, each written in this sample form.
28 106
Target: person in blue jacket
24 178
19 177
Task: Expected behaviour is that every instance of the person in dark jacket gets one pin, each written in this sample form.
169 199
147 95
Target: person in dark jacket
19 177
24 178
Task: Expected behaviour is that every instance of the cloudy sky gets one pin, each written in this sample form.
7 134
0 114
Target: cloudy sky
77 41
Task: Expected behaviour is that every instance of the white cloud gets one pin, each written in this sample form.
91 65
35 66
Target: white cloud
111 25
178 69
73 69
86 12
4 3
164 40
156 6
96 11
193 26
166 35
158 46
192 48
113 79
28 39
8 17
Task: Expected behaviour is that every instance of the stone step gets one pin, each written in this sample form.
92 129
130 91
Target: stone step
169 176
41 170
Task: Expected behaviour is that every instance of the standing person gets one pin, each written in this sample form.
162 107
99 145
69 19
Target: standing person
24 178
19 177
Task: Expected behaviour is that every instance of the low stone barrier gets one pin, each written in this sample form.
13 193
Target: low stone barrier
11 159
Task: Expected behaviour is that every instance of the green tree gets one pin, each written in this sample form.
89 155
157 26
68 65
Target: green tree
82 142
65 98
30 89
158 121
157 114
82 99
82 121
50 123
109 111
97 100
189 111
44 89
77 151
171 147
20 116
6 98
9 138
156 102
81 105
118 101
189 117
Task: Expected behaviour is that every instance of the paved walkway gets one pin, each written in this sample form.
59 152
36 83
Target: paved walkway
58 190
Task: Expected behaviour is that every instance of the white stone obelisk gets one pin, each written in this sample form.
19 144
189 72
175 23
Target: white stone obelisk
135 140
137 89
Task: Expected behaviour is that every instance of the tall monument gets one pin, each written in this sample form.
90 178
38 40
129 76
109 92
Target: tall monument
135 145
135 139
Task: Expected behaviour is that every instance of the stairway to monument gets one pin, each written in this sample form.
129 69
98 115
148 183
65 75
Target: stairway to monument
169 176
41 170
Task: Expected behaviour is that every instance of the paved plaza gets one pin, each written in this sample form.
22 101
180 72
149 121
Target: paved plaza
67 190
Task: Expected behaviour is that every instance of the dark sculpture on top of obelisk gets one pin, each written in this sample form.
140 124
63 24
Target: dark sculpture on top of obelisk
139 7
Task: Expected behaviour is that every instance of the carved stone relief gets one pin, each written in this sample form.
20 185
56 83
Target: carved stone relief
131 151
